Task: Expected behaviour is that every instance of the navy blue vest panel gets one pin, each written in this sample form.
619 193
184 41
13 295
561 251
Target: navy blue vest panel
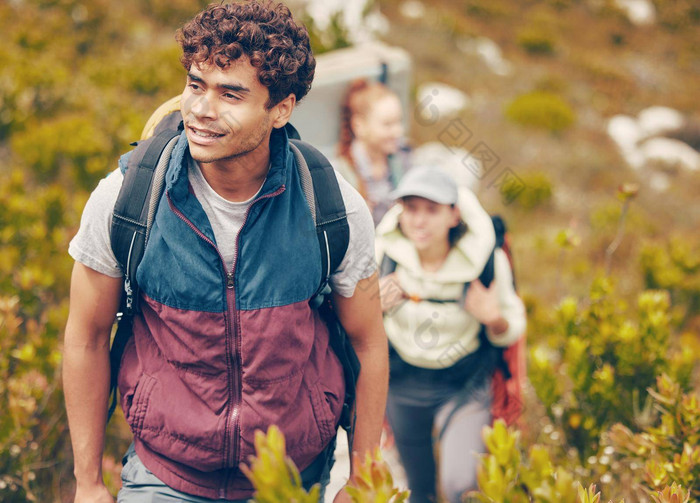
278 257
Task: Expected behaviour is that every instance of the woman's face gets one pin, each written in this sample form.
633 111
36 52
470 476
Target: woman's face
380 129
427 223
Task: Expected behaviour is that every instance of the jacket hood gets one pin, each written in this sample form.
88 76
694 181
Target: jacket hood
465 261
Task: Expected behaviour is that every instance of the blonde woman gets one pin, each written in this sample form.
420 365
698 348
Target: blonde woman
371 154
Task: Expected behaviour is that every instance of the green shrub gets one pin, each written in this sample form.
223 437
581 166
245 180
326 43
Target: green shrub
336 36
598 361
488 9
667 452
71 146
276 479
532 190
677 14
507 475
541 110
34 276
536 41
674 265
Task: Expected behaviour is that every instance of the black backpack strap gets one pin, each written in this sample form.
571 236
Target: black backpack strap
328 210
499 226
486 277
387 266
133 211
132 219
124 332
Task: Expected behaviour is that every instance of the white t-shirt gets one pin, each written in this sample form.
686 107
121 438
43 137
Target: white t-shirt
91 246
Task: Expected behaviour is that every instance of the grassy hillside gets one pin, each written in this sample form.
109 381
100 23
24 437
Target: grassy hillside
593 58
78 80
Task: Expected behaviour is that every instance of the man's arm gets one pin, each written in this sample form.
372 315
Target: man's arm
361 317
94 301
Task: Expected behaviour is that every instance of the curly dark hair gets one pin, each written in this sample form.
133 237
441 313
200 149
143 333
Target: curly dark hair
264 32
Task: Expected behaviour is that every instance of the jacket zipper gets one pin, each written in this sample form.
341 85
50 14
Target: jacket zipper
232 428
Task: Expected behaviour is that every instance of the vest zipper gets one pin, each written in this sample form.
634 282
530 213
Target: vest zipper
234 459
232 428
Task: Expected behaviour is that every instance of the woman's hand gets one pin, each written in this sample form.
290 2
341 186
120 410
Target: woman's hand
482 304
390 292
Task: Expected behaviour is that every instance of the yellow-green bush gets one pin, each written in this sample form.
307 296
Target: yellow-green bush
668 451
678 14
34 276
335 37
536 41
277 480
507 475
674 265
542 110
487 9
530 191
33 432
598 361
77 82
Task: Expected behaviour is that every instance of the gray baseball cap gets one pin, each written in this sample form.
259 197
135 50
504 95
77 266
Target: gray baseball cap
427 182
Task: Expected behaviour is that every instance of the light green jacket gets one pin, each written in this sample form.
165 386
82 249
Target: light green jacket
436 335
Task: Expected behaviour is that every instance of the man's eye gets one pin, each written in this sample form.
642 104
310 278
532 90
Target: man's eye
193 86
230 96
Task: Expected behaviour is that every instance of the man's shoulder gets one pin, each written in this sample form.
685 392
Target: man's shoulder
354 202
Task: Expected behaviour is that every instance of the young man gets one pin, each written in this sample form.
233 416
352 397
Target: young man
226 342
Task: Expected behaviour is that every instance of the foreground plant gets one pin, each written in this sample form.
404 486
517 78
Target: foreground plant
668 451
277 480
598 361
273 474
372 482
504 476
507 476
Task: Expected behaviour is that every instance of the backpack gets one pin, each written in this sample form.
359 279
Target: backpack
509 375
135 210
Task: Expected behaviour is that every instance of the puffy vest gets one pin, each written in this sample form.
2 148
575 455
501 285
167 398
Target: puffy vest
218 354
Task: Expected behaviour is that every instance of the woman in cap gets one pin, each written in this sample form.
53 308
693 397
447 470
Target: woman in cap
444 327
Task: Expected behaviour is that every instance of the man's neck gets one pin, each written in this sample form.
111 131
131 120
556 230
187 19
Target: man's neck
240 178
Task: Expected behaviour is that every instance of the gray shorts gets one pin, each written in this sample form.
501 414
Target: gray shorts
139 485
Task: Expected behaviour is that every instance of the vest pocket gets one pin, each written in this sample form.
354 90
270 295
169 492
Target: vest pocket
139 403
322 403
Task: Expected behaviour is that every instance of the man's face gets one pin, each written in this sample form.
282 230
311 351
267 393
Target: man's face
224 111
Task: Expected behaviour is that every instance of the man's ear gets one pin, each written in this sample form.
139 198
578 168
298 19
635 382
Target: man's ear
282 111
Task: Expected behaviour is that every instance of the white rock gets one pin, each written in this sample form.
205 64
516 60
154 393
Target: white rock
412 9
437 101
626 133
660 182
655 121
624 130
465 169
639 12
671 153
489 52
